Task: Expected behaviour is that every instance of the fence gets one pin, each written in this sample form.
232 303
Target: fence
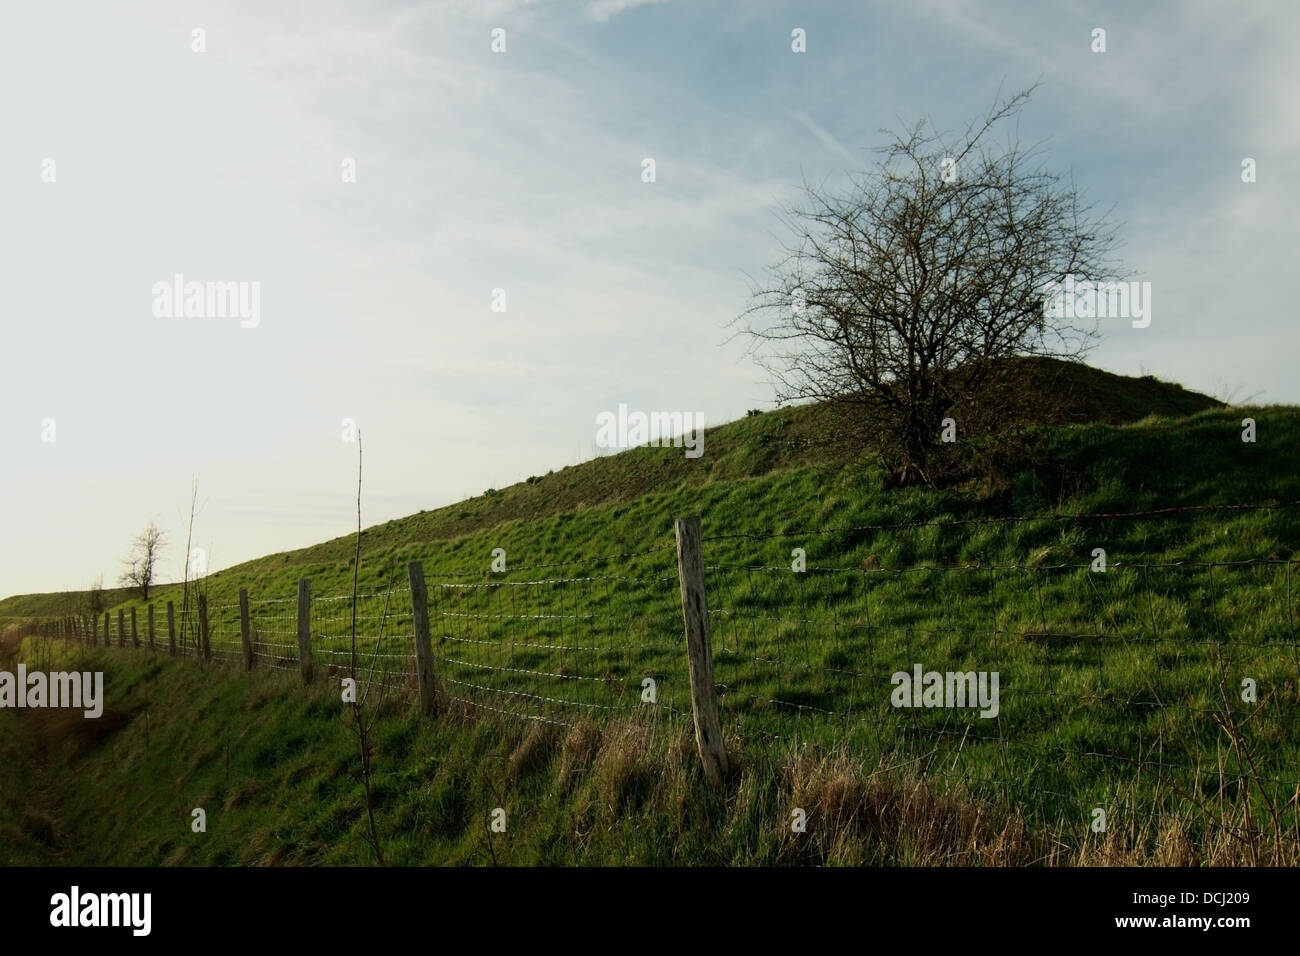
1150 681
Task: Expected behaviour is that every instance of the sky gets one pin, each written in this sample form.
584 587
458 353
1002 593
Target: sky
390 182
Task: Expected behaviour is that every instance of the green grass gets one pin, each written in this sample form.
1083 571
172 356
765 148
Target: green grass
1118 690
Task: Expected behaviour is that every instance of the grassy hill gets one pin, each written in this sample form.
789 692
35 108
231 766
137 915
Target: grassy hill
664 483
1120 688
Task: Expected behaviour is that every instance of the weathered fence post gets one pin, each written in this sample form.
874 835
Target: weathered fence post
205 646
150 626
94 630
304 630
245 637
699 650
423 645
121 628
108 637
135 637
171 628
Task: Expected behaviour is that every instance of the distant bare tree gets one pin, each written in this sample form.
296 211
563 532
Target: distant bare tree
142 562
96 601
900 299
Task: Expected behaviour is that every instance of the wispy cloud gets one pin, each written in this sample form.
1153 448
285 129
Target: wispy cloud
602 10
826 139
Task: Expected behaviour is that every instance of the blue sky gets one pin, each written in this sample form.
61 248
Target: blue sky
522 171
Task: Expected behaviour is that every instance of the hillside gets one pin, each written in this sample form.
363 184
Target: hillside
1118 685
784 440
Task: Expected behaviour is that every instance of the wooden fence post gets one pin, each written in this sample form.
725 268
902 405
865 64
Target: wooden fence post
108 637
245 637
205 645
171 628
121 628
699 650
423 644
150 626
94 630
135 636
304 630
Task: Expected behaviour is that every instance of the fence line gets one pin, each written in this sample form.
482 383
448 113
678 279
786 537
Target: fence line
1145 655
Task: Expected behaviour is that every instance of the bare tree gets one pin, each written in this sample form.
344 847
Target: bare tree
92 602
96 601
899 299
142 562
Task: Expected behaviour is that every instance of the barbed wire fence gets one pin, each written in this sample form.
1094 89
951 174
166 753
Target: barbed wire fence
1119 682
